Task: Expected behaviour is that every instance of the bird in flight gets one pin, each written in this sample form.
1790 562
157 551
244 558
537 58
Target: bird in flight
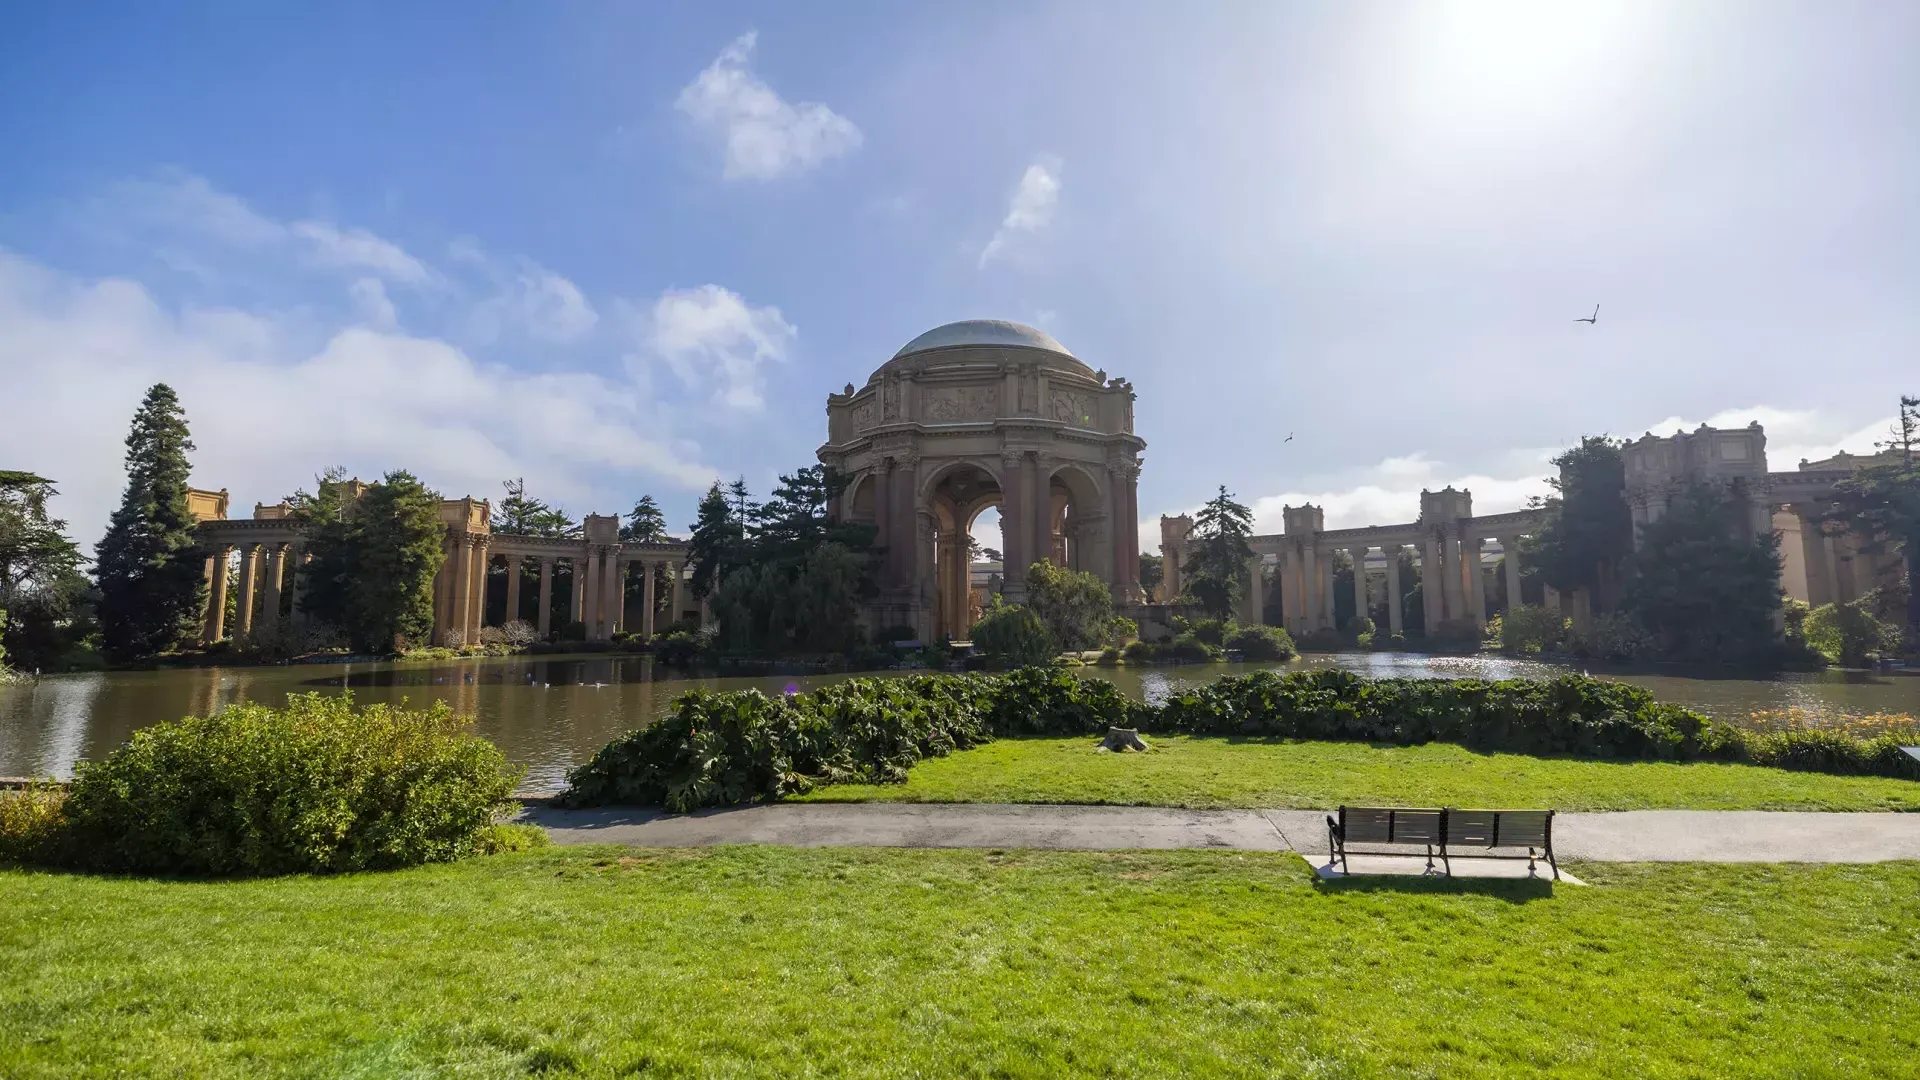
1289 438
1593 318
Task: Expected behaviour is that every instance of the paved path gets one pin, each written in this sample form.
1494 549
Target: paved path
1632 836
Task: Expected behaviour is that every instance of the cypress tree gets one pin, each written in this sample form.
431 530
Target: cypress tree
397 535
148 564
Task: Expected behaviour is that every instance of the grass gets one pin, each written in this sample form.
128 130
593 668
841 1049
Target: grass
745 962
1218 772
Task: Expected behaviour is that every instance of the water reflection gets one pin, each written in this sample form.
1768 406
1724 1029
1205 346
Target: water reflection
549 713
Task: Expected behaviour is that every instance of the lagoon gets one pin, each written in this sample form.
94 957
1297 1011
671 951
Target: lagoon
551 712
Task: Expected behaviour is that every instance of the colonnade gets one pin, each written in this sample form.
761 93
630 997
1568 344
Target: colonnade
267 571
1458 589
599 591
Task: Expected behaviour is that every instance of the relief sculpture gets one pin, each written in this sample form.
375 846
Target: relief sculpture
863 415
1071 408
958 404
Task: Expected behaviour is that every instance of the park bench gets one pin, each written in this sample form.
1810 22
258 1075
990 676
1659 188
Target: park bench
1443 834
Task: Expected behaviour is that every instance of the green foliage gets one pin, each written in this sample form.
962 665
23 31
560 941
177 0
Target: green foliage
1530 629
1704 588
316 787
1153 572
503 839
1881 502
520 514
645 523
1215 573
1121 630
1616 635
717 543
1013 635
790 579
1076 607
1586 529
33 824
40 579
147 564
374 559
722 749
1261 643
1849 634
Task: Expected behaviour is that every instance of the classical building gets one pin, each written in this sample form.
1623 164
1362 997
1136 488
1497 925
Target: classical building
1821 561
982 414
268 549
1446 536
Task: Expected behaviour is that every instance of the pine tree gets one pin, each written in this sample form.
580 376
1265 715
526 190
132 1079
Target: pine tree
398 535
645 524
1216 567
717 536
327 536
522 515
148 566
40 575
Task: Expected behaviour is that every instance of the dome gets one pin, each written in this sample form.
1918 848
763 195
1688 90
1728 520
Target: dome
993 332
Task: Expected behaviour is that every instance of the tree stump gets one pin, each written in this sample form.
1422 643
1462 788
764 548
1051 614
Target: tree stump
1121 740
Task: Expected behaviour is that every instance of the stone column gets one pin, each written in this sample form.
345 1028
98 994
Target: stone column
1326 590
1013 525
1252 609
1432 599
596 593
678 573
646 599
1395 617
482 548
544 617
1359 556
515 566
1130 563
1309 607
1040 509
301 557
216 621
276 573
1476 579
1454 577
1511 546
249 573
906 545
577 604
1283 572
883 519
1117 532
462 582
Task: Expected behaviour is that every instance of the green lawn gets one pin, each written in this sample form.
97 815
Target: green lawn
1219 772
825 962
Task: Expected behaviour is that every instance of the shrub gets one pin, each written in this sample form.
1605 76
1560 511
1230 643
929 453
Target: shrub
1261 643
1456 636
1615 635
316 787
1530 628
1358 627
1138 652
1322 640
1121 630
724 749
1849 634
1109 657
1011 635
501 839
1209 631
33 823
1075 606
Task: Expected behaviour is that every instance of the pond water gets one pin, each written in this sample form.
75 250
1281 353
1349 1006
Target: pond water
550 713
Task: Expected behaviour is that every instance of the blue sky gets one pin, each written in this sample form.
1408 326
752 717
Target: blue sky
625 248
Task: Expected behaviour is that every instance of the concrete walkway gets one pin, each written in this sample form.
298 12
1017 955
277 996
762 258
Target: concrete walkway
1632 836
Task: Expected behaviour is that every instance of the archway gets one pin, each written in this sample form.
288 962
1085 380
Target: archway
958 495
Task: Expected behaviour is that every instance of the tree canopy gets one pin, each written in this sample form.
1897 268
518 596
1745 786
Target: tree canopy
374 560
645 523
40 577
1881 501
1076 607
1218 553
148 564
523 515
1587 530
785 576
1704 588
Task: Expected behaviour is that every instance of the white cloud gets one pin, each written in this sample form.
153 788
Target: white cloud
269 407
765 135
330 246
371 302
710 336
1031 209
529 301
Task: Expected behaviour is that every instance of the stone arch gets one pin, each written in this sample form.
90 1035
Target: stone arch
955 494
1078 520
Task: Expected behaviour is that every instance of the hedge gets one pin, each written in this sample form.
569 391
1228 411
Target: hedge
723 749
316 787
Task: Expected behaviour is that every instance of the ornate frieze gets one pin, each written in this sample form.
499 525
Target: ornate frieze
959 404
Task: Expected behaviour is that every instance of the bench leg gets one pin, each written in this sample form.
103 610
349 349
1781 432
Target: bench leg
1555 863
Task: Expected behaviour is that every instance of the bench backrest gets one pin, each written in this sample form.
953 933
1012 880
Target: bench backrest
1499 828
1368 825
1456 828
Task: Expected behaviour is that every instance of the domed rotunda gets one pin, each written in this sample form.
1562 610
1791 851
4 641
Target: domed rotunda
977 414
